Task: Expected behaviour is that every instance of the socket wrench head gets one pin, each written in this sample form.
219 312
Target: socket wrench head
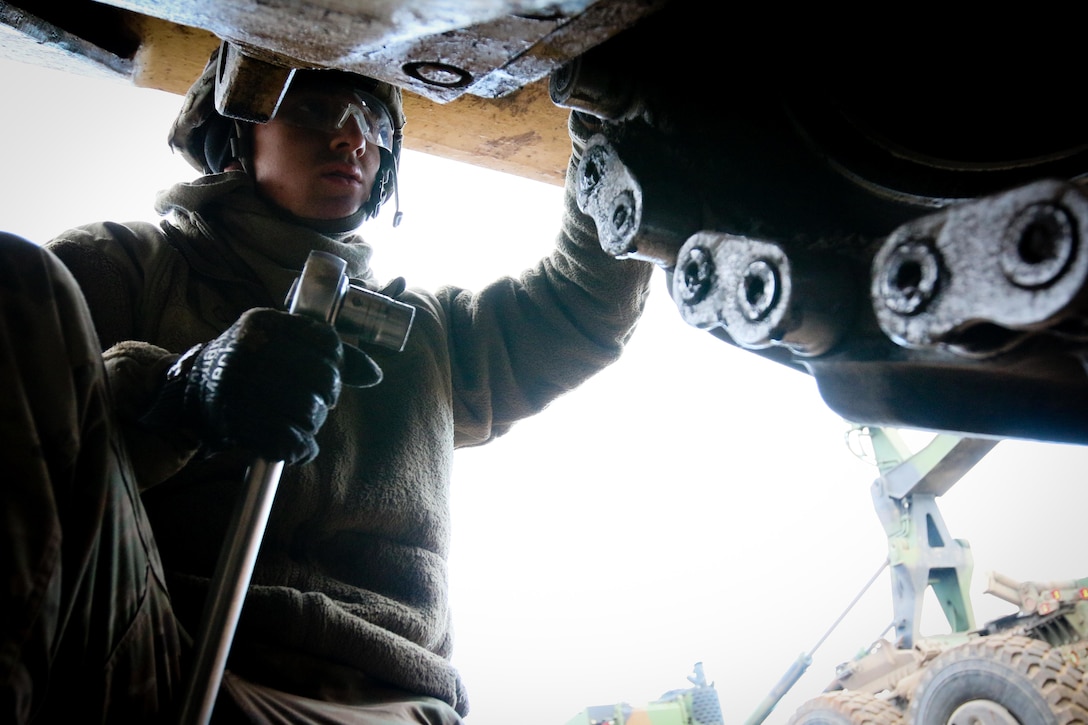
375 318
324 292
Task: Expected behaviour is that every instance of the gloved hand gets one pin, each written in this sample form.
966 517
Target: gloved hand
267 384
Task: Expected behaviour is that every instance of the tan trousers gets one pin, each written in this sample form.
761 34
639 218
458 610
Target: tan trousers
241 701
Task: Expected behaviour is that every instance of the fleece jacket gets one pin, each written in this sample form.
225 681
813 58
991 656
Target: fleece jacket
352 570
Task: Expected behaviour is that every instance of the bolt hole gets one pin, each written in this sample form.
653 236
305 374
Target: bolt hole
908 276
695 276
911 279
593 173
1038 243
620 216
754 289
692 277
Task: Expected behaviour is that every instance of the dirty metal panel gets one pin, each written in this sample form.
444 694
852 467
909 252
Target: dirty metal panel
28 38
446 47
494 59
598 23
445 66
325 32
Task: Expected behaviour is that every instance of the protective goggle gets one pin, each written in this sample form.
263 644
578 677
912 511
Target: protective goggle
329 112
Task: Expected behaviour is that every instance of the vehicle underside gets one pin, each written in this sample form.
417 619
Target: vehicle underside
901 221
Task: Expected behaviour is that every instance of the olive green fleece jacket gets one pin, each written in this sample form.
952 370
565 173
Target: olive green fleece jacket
352 570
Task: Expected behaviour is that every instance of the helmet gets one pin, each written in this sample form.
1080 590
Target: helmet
210 142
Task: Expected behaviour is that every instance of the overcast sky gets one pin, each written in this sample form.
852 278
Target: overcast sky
692 503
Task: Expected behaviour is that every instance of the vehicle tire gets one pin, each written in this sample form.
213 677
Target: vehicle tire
1001 679
847 707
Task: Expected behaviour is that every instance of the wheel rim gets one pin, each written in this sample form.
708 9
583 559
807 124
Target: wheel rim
982 712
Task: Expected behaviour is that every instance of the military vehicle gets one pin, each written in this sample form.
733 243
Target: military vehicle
1029 667
895 209
1026 667
696 705
905 227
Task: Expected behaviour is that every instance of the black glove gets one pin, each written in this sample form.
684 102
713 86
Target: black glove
266 384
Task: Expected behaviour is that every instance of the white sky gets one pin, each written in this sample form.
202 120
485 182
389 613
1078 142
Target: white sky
692 503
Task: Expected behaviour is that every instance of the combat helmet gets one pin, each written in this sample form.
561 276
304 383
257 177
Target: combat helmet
210 142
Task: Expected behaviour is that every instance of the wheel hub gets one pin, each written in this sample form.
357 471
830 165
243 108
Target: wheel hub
982 712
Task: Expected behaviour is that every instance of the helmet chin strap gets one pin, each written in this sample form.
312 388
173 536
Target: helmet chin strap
379 194
398 215
240 147
390 177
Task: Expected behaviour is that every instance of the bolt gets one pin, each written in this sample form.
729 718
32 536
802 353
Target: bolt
1038 245
911 277
758 290
696 275
561 83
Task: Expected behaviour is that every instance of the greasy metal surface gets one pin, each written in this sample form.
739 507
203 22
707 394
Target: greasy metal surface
593 90
494 58
436 48
1012 261
1008 359
759 295
325 33
29 38
971 321
637 212
610 194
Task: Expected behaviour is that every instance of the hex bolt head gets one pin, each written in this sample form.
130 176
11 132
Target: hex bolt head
696 275
758 290
911 277
1038 246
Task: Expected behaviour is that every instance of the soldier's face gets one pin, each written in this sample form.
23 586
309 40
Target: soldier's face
317 173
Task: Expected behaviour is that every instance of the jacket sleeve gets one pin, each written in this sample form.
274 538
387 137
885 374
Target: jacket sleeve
521 342
108 263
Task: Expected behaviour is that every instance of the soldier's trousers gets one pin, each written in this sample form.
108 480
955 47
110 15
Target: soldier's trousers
88 634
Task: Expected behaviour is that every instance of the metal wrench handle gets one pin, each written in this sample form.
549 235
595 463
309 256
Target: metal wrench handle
228 589
318 293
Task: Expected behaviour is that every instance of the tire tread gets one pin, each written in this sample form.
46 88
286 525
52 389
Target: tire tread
847 706
1057 680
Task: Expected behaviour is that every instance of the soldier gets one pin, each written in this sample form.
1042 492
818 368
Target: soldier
196 370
